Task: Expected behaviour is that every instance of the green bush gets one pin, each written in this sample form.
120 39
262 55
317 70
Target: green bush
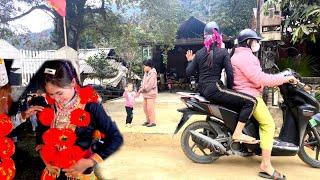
317 95
305 65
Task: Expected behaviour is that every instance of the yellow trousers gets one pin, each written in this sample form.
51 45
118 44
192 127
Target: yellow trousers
266 124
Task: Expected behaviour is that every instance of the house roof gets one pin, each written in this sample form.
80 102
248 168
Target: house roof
191 29
7 51
190 32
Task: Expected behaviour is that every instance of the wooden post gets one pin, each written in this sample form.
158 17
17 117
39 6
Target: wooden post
258 16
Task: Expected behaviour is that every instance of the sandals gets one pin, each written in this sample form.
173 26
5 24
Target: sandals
276 175
254 141
246 140
151 125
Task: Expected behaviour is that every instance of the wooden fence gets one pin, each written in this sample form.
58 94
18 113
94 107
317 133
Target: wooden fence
29 63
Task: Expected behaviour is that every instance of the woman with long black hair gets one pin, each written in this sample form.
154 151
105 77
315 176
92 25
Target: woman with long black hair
208 63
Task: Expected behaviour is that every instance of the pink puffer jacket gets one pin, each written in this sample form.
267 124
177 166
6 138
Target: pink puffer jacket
248 75
149 87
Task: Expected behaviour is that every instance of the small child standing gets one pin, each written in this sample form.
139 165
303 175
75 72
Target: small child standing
129 96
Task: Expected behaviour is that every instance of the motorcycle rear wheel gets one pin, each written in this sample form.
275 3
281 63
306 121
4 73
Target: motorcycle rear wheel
188 146
311 147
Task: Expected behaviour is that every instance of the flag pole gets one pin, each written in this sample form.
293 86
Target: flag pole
65 31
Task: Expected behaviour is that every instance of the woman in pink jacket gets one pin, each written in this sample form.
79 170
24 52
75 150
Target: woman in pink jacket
250 79
149 90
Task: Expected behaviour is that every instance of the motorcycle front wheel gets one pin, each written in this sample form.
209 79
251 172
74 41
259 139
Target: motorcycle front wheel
309 152
193 150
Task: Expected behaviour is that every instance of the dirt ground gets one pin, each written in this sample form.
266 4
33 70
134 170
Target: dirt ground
159 157
154 153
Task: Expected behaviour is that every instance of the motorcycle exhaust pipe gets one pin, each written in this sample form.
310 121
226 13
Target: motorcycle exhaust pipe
207 142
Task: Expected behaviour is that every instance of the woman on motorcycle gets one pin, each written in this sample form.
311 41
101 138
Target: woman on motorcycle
250 79
208 63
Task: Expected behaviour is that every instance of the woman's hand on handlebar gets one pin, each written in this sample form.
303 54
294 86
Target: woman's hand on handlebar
190 55
292 80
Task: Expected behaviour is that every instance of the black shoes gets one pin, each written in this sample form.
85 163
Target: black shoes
147 124
284 145
151 125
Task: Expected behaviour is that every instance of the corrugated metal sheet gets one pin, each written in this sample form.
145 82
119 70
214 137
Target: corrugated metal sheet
7 51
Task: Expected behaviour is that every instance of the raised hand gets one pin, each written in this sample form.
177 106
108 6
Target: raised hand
190 55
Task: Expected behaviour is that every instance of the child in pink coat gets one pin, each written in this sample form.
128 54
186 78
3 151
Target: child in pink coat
129 96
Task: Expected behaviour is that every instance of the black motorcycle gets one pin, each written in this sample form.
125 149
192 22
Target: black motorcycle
205 141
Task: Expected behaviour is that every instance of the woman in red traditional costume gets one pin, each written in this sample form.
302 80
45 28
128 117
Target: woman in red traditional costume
8 122
67 134
7 168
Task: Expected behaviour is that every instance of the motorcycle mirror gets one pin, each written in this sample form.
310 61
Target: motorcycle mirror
297 58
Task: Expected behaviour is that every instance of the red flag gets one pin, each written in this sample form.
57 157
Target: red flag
59 6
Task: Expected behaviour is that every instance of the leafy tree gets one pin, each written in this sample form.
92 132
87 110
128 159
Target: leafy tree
148 21
81 17
101 66
6 8
143 22
303 17
127 45
5 32
231 15
100 20
160 20
305 65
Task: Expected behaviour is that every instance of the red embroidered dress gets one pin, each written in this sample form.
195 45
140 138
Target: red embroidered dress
7 149
59 147
79 129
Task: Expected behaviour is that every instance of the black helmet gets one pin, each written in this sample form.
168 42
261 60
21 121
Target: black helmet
247 34
208 29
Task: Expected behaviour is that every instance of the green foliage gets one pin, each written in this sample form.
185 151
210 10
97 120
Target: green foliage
101 66
304 65
160 20
6 9
231 15
317 95
304 19
127 47
137 68
143 21
270 4
6 33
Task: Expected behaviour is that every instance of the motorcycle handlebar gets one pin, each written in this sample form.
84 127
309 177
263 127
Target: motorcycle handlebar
301 84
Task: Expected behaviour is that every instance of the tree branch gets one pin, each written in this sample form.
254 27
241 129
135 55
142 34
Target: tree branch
93 22
43 7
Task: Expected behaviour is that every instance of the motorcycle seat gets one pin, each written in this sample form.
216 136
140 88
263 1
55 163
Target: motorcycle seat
195 96
219 111
201 99
214 109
